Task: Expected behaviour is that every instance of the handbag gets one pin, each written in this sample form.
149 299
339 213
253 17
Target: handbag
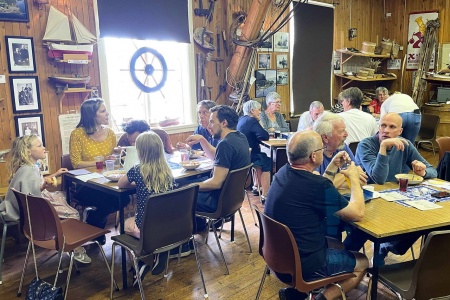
38 288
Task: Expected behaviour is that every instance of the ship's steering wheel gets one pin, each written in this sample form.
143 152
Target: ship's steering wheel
156 69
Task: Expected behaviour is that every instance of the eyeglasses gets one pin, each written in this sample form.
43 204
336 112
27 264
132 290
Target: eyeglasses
323 148
276 102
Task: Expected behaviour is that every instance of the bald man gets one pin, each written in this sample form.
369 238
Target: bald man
386 154
304 202
382 156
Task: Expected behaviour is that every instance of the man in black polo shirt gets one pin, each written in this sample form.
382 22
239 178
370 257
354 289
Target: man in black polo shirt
302 201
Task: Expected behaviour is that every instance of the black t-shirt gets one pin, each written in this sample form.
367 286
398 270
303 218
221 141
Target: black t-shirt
303 202
232 152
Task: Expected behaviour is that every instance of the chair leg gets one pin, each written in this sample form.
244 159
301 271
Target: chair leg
113 252
136 267
262 282
220 249
167 263
412 252
199 267
68 274
341 290
245 230
19 292
369 288
2 250
106 262
208 225
251 209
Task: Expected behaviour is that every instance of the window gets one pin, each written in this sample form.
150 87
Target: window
174 101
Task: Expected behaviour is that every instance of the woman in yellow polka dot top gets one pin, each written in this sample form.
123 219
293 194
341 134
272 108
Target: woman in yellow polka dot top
91 138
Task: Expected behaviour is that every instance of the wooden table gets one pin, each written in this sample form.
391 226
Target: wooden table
387 221
122 195
273 145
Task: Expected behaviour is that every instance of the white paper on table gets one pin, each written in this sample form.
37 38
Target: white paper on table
89 176
438 183
422 204
393 196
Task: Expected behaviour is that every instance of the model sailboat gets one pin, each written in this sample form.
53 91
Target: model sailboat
66 34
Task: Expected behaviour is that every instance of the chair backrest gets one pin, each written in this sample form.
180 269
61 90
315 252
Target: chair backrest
293 123
432 270
353 147
444 145
278 247
168 218
47 229
281 158
428 127
232 193
66 162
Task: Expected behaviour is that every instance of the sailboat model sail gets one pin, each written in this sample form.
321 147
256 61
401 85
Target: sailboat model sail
66 34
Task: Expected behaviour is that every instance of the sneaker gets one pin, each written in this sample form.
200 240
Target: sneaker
160 263
143 270
291 294
81 256
263 199
185 251
255 191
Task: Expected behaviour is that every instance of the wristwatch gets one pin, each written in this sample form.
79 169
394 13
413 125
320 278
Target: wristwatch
330 173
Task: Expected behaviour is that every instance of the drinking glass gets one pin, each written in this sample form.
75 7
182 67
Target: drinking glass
99 162
403 184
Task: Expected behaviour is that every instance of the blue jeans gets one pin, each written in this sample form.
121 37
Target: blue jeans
411 125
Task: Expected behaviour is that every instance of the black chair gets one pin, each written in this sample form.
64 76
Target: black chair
278 248
353 146
169 222
424 278
230 202
293 123
281 158
427 132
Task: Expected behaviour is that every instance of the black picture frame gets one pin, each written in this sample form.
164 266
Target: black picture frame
30 124
20 54
25 94
18 12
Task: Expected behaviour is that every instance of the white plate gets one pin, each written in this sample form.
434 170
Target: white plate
114 175
190 165
412 179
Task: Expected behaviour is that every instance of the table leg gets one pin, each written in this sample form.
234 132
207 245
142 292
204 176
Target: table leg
376 258
271 159
122 199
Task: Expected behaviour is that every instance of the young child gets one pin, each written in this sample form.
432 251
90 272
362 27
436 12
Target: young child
151 176
27 178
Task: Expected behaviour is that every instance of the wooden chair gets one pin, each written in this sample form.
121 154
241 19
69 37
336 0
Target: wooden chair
169 222
427 132
279 250
49 232
424 278
230 202
444 145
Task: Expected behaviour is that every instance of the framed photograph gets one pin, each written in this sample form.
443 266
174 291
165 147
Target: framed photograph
282 61
281 42
14 11
265 82
282 77
20 54
25 94
31 124
264 60
267 44
43 165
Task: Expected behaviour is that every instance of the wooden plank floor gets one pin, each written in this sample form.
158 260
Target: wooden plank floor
183 281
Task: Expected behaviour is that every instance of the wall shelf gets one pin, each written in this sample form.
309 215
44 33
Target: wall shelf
71 91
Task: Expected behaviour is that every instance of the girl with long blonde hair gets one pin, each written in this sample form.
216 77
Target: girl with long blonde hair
26 177
151 176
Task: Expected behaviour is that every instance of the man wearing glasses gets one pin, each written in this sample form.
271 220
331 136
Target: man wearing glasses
308 118
303 201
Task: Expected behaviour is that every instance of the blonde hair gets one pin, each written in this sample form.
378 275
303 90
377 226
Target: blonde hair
155 171
19 153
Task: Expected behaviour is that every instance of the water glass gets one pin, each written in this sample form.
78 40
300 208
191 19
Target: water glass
109 164
99 162
403 184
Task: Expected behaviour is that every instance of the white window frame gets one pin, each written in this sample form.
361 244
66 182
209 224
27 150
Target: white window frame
192 106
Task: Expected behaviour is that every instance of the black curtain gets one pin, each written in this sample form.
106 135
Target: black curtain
162 20
312 56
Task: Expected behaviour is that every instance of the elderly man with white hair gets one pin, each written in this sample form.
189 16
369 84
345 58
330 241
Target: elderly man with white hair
308 118
271 119
250 126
